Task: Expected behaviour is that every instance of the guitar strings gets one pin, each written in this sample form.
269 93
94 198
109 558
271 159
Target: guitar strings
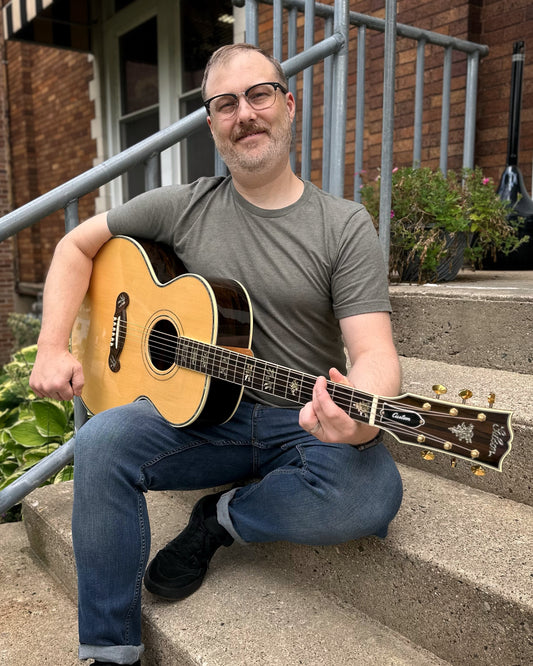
169 344
165 345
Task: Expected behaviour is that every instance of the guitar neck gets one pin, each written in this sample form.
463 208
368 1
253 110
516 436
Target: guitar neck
267 377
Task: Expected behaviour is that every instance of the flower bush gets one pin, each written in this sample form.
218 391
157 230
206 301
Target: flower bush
437 217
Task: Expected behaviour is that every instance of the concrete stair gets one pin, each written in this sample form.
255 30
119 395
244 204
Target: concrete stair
452 583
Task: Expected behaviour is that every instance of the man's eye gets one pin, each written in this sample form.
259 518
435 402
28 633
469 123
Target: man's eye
258 96
226 105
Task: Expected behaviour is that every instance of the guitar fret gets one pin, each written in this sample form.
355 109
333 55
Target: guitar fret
294 386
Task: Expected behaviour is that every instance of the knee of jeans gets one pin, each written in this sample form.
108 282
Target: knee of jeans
107 435
352 513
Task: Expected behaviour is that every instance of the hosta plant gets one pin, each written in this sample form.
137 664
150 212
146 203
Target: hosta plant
30 427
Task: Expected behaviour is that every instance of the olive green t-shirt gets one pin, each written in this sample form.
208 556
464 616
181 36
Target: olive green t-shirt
304 266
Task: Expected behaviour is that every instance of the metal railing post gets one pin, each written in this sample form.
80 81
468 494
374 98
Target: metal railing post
328 111
470 110
307 102
445 114
419 103
340 94
251 22
387 132
359 112
151 172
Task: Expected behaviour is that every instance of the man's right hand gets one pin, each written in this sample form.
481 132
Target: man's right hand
56 375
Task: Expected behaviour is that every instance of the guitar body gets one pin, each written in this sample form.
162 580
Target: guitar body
137 307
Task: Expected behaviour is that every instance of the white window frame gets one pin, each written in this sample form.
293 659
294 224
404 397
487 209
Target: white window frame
168 37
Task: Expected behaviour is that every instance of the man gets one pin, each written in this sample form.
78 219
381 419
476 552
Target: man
313 268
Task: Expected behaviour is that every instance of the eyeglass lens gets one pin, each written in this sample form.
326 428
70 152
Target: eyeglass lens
260 96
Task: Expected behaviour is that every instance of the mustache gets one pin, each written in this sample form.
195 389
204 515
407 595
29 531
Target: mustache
249 128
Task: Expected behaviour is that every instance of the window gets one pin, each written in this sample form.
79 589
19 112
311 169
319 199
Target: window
139 85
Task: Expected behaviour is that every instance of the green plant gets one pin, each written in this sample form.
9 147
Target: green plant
25 329
435 218
31 427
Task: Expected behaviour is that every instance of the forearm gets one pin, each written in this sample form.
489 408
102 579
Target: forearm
65 287
56 373
377 373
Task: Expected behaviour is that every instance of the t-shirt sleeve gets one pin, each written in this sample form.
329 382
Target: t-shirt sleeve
147 215
359 280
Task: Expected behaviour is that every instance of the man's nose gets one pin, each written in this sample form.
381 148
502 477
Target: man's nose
244 108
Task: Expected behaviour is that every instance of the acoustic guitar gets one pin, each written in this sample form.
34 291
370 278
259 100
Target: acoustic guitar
148 329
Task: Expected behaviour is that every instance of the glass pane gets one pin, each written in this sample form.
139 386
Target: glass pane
205 25
138 67
199 153
132 131
120 4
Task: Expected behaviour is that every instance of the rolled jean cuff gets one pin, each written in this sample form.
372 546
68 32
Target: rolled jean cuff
223 516
118 654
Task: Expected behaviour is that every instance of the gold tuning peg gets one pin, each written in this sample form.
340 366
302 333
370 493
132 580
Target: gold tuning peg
491 398
428 455
477 470
465 394
439 390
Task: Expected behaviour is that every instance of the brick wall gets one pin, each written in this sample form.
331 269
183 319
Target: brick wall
501 24
50 121
497 23
7 276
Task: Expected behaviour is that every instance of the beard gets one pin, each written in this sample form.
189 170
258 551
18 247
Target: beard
253 158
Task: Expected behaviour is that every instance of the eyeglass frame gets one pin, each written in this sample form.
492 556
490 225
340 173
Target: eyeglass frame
274 84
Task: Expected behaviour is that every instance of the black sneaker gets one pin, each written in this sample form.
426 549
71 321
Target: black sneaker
179 568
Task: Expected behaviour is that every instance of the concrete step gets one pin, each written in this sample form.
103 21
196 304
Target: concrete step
251 613
38 620
514 392
453 576
481 319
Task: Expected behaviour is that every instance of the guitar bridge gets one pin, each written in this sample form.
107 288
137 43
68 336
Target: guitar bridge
118 336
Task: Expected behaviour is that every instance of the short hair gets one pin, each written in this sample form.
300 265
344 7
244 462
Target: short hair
225 53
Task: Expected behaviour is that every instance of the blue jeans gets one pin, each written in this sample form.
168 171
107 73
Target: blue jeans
303 491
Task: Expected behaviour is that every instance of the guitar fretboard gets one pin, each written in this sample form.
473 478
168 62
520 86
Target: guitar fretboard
269 377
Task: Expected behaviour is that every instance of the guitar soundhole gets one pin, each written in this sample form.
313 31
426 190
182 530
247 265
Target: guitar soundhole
162 343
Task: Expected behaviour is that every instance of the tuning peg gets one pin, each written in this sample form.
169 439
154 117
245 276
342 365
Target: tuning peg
491 399
428 455
477 470
453 462
465 395
439 390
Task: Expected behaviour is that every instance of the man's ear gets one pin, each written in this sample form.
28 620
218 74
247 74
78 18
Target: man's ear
291 105
209 123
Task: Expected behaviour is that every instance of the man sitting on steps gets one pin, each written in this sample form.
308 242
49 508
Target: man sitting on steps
312 265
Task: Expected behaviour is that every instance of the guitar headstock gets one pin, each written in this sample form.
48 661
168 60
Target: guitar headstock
480 435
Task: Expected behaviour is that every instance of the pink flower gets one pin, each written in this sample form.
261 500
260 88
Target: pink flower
485 181
391 214
395 170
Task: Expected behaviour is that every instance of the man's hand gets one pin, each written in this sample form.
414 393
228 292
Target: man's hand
329 423
56 375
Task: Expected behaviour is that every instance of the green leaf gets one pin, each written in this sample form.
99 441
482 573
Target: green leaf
33 456
13 477
50 418
27 434
66 474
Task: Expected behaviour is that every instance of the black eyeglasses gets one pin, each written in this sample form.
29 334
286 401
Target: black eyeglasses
260 96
